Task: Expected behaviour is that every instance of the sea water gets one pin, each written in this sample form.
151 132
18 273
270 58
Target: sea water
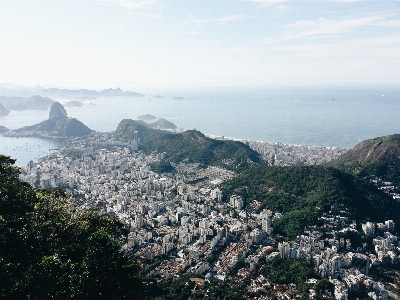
340 118
327 117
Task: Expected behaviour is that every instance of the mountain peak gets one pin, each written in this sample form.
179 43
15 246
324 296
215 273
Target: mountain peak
57 111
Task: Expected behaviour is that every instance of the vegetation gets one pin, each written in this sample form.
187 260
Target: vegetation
73 153
302 193
191 146
383 170
285 271
48 250
183 288
162 167
379 156
126 129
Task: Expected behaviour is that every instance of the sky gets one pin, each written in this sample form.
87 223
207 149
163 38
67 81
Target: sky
143 45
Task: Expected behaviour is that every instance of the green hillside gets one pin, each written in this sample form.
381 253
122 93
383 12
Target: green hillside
379 156
302 193
191 146
126 128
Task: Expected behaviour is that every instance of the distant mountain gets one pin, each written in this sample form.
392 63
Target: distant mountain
67 94
84 93
58 124
379 156
31 103
14 90
3 111
163 124
191 146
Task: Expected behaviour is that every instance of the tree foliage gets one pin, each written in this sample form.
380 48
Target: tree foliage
190 146
49 250
303 192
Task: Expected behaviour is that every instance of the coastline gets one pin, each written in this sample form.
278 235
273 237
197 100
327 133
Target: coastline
224 138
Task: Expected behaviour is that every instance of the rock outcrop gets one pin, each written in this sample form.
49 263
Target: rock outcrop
57 111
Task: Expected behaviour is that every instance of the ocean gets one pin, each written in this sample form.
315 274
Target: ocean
327 117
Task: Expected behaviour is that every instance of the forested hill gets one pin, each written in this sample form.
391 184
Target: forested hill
379 156
190 146
302 193
127 127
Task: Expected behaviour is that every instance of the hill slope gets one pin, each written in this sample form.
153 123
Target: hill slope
382 149
127 127
190 146
379 156
301 193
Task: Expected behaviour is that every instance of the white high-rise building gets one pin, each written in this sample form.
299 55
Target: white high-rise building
236 202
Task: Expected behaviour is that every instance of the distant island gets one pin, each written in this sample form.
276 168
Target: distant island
157 96
147 117
73 104
24 92
178 98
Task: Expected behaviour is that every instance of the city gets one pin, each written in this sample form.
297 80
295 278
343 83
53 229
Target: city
179 224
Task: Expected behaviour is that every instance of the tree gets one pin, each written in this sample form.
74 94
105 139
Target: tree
48 250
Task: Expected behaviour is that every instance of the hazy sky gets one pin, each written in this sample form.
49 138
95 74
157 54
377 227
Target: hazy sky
155 44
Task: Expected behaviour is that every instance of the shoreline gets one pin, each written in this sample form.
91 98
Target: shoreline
222 138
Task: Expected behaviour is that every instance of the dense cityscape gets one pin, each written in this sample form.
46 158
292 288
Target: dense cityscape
181 223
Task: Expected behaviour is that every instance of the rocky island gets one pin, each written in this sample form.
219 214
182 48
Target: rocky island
73 104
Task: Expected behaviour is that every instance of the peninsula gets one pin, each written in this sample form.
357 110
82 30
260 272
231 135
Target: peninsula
57 125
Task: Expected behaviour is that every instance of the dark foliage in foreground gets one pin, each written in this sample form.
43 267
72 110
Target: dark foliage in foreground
48 250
